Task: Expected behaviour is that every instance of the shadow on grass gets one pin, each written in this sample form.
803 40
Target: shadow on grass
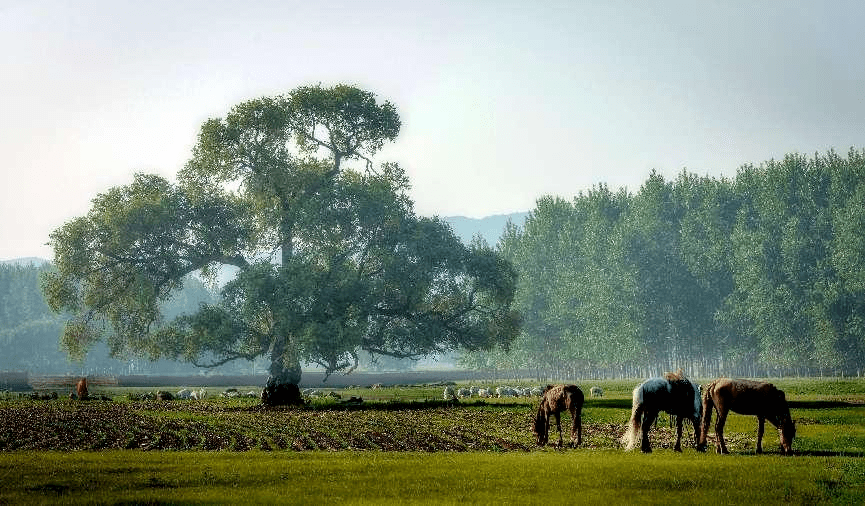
825 453
823 404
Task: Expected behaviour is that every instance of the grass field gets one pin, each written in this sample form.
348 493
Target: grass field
401 446
581 477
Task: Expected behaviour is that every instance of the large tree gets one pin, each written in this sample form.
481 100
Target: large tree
331 260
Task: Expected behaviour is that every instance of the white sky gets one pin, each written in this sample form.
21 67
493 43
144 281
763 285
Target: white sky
501 102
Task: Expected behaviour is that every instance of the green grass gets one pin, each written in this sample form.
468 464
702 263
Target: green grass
546 477
405 445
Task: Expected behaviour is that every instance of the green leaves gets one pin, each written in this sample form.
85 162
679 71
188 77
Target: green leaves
345 120
332 260
764 271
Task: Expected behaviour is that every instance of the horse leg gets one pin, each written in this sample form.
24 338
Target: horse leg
708 407
719 432
761 425
546 436
559 426
578 426
649 418
678 446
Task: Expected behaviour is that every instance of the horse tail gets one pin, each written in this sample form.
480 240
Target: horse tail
632 435
708 407
541 426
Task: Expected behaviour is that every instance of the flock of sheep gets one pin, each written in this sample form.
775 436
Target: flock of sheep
187 394
450 393
504 391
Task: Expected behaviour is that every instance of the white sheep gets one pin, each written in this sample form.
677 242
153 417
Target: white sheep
483 393
506 392
198 395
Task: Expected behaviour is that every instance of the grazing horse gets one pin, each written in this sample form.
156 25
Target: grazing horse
675 394
747 397
81 389
556 399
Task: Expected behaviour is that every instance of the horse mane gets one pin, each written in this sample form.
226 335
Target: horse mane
679 375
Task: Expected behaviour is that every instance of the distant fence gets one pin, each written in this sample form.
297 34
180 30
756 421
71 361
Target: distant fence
308 379
68 382
144 380
17 381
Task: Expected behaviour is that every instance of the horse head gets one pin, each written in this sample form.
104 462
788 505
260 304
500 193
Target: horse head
784 422
541 427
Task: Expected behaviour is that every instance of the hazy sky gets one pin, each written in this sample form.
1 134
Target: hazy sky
501 102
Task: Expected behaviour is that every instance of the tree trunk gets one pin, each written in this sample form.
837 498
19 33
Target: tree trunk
282 386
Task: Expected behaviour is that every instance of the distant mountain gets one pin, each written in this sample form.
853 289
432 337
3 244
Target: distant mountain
490 227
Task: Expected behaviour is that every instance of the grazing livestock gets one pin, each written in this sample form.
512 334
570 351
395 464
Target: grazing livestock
36 396
81 389
164 396
463 393
506 392
675 394
747 397
596 392
555 400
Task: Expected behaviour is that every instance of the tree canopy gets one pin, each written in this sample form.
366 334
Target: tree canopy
332 260
761 274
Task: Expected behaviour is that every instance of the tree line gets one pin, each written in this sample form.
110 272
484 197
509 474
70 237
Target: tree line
30 331
759 275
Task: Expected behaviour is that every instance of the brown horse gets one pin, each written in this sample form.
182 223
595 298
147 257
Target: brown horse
675 394
556 399
81 389
747 398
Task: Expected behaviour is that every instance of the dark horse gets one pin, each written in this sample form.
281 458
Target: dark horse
675 394
747 398
555 400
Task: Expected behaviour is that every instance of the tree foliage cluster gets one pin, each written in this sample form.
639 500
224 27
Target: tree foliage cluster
761 274
332 259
